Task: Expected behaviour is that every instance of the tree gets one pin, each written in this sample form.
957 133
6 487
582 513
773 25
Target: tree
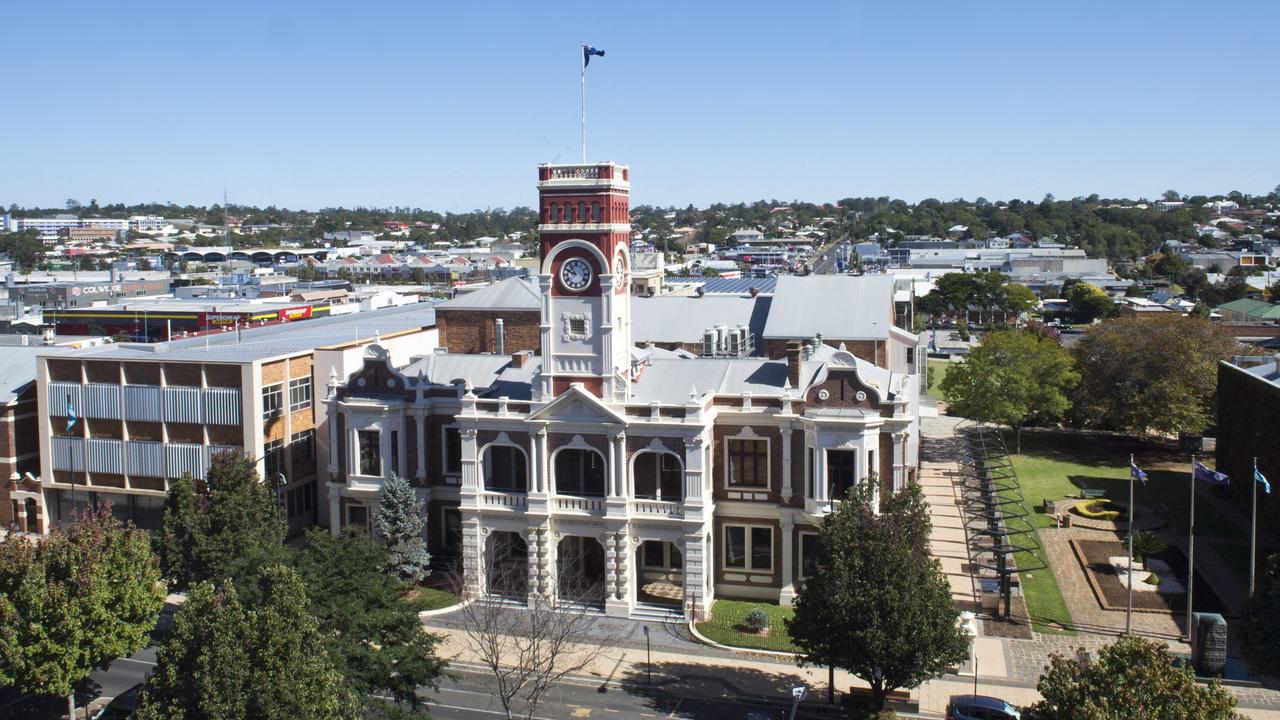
1157 374
24 248
226 526
1171 195
74 601
530 649
224 660
1132 678
1087 302
877 604
372 633
1019 298
1261 623
1012 378
399 523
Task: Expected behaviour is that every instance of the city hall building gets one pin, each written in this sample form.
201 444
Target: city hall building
558 454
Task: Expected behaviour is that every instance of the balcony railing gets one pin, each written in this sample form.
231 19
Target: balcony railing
580 504
150 403
657 508
513 501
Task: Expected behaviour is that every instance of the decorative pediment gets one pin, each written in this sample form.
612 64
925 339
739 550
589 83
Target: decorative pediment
576 405
377 377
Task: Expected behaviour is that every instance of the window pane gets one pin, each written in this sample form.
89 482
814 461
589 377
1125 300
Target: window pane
453 450
761 548
735 547
653 554
646 478
370 452
808 554
672 480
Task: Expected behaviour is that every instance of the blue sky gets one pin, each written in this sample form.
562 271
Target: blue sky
451 105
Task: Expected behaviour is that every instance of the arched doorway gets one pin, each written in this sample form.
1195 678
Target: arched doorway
659 573
507 566
33 516
580 571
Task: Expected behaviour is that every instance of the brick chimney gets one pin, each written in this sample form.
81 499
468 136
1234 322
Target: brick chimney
794 349
518 359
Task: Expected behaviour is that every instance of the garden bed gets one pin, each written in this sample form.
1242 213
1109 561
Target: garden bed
1112 593
728 625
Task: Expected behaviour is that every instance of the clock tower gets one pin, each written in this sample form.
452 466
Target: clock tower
583 234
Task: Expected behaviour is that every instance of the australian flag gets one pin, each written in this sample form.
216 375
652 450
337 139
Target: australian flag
587 52
1212 477
1136 473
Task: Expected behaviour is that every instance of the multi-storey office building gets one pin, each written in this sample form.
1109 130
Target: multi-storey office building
655 477
148 413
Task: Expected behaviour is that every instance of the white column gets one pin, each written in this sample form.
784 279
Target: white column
538 458
786 460
335 509
694 470
899 460
788 594
470 466
473 555
697 564
864 456
821 492
606 335
617 465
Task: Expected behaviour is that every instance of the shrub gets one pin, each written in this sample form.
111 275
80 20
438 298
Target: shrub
1096 509
1152 579
757 621
1147 543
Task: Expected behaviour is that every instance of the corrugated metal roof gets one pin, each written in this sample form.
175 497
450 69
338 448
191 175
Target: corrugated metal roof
18 366
840 307
274 340
739 286
517 293
481 371
683 318
670 381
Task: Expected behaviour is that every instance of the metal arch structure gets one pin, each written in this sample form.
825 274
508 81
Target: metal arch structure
997 522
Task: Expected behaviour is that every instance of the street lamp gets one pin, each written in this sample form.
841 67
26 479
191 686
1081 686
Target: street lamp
648 656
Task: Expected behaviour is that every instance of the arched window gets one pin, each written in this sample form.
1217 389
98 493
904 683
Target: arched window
505 469
595 212
582 212
658 476
579 472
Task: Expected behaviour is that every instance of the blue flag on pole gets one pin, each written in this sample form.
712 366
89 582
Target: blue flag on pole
1262 479
1136 473
71 414
1212 477
587 52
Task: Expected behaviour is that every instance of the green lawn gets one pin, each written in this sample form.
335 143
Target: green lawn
727 616
1056 465
427 598
937 371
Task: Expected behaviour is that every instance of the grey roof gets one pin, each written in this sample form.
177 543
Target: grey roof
739 286
18 366
840 307
670 381
517 293
683 318
275 340
481 371
1268 371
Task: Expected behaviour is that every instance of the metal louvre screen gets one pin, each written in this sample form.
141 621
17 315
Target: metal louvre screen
146 459
102 401
182 404
58 392
106 456
68 453
222 406
185 458
142 402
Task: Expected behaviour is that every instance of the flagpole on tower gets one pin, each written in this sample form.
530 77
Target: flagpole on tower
584 102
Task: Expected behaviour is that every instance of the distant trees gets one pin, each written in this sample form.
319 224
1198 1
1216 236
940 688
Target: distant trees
1087 302
877 604
1012 378
24 248
74 601
1132 678
955 294
1150 375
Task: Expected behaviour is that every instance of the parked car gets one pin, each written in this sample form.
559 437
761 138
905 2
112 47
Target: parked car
122 707
980 707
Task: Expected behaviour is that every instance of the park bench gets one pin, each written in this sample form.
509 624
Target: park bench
1092 493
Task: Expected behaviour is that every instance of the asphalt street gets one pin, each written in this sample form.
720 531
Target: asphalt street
825 262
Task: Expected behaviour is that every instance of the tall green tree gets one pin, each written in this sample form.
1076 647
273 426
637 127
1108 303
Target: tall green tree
1157 374
224 660
1261 622
226 526
1132 678
74 601
1012 378
371 632
399 523
877 604
1087 302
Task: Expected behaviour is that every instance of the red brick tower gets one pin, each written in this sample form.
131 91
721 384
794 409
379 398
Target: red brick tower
584 233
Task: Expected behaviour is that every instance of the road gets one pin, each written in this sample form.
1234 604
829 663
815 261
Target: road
824 263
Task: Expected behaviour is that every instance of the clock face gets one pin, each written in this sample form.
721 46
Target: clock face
575 274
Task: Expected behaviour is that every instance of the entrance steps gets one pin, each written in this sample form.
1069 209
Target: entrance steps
655 612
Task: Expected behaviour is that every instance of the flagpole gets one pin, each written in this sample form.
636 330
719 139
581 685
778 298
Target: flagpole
584 104
1128 615
1253 532
1191 545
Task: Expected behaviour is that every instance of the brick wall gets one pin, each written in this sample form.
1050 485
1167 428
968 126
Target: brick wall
472 331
